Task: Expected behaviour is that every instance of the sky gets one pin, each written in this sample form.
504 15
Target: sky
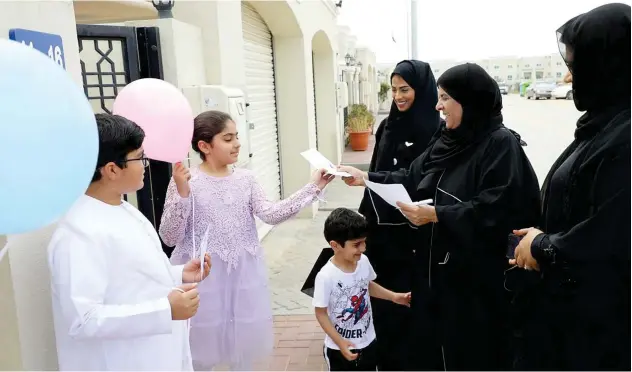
461 29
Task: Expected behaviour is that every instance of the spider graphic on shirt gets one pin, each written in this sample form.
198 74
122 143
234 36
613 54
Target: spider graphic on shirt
350 304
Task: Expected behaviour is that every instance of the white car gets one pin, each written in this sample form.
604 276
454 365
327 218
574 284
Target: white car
562 92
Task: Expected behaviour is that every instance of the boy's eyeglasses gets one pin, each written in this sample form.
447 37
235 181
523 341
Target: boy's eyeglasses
143 159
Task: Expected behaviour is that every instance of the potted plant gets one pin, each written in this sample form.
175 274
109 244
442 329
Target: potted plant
383 93
359 124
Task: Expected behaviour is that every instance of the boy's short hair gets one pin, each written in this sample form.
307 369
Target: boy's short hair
118 137
344 224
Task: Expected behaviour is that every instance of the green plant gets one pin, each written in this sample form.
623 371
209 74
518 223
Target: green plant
359 119
383 93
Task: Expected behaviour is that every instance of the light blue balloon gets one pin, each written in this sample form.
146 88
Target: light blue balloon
48 139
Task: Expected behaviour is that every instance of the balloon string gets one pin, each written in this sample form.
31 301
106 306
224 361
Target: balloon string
194 250
194 253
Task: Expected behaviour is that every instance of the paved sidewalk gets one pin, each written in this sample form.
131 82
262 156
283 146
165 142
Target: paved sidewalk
359 158
291 249
298 346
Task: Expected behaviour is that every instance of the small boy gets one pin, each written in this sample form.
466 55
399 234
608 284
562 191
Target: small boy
341 295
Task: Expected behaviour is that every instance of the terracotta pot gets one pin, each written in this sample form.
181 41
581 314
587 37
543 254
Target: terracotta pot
359 141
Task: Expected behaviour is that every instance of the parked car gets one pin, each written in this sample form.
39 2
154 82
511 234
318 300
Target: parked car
540 90
564 91
504 89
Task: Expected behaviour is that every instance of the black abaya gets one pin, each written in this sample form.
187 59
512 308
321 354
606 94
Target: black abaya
483 187
580 316
400 138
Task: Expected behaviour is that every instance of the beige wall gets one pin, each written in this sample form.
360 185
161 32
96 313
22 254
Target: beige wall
10 351
293 26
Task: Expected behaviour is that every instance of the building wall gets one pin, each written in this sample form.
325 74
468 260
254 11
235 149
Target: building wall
25 306
202 45
511 69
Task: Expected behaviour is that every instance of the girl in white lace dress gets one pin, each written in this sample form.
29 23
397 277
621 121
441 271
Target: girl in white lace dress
214 207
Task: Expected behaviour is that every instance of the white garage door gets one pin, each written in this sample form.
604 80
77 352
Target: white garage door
260 92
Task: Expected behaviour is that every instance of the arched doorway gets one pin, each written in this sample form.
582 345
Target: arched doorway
324 88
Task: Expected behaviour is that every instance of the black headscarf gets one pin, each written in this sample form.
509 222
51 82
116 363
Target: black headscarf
596 48
479 95
586 38
415 125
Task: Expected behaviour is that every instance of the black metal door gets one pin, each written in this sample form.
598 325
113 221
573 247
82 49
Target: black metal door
112 57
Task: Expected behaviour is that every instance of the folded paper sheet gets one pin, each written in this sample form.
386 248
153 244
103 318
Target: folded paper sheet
319 161
393 193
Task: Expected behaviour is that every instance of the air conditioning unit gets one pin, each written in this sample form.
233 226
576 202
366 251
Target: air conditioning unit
342 95
230 100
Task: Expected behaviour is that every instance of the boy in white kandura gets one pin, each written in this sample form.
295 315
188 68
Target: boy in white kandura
342 293
118 304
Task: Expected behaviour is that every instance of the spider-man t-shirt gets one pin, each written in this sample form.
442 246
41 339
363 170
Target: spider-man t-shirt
346 297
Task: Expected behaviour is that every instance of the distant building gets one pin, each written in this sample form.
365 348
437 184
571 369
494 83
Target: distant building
511 69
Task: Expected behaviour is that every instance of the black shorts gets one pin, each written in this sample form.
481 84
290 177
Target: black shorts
366 360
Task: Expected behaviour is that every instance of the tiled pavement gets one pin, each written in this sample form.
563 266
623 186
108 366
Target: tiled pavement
298 344
290 250
359 157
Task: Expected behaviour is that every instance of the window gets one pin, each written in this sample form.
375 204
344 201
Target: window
539 75
509 66
509 78
538 65
436 70
497 78
527 75
527 66
558 74
496 67
558 63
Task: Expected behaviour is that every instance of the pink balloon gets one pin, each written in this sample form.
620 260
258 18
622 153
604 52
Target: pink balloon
164 114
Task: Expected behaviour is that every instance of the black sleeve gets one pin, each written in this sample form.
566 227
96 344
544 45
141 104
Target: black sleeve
605 234
507 186
409 178
378 137
385 212
366 205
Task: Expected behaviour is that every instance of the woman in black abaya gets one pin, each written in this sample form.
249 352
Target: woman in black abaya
400 139
580 318
483 186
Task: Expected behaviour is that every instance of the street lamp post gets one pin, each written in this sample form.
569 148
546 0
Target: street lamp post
164 7
414 41
349 60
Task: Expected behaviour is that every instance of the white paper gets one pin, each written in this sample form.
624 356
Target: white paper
319 161
202 256
393 193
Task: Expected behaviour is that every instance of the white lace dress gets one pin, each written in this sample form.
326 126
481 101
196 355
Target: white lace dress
234 322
